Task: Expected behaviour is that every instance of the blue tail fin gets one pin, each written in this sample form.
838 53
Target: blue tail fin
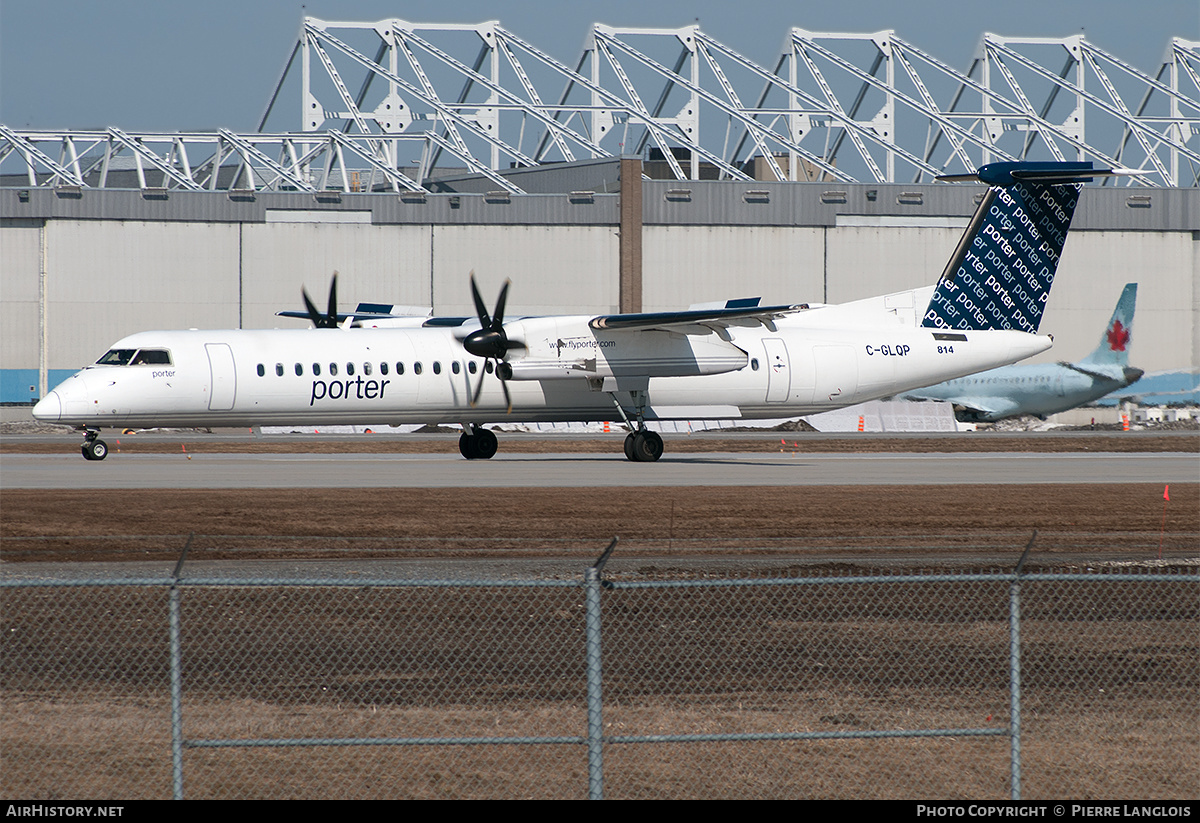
1001 272
1114 343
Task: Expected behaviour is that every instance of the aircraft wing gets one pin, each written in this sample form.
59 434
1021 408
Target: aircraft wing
984 408
696 321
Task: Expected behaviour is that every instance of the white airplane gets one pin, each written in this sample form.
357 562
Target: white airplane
1049 388
739 360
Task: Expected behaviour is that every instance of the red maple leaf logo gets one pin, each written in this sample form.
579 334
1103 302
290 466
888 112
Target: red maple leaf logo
1118 336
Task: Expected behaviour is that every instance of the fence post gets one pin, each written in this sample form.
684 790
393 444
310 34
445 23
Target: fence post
176 675
1014 671
595 727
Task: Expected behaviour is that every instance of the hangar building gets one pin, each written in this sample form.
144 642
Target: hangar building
138 235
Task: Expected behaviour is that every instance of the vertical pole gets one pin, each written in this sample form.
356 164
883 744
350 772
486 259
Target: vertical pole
176 675
43 325
630 239
176 697
1014 667
595 726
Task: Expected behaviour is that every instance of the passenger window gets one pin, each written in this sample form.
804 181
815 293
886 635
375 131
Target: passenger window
333 369
279 369
754 363
350 368
417 367
383 368
367 368
437 367
454 367
261 370
487 366
316 369
299 370
399 368
471 367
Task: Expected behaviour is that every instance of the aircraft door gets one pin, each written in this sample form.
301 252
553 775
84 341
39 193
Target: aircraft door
222 377
779 378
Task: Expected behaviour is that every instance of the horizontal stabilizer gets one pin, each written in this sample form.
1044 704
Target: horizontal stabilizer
1007 174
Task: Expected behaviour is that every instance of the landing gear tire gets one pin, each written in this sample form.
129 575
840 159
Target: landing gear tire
644 447
94 450
480 445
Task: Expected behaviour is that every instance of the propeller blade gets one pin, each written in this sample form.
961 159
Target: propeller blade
331 315
480 307
315 316
507 397
498 317
478 388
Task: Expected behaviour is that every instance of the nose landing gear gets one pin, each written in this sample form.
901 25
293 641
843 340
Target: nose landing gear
477 443
93 447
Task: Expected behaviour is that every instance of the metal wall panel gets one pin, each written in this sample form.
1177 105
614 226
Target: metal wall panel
554 269
20 254
1094 269
682 265
20 309
109 279
863 261
375 264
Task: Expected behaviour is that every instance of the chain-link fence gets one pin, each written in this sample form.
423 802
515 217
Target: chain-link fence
993 685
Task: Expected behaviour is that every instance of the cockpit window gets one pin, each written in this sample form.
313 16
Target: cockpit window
152 357
116 357
135 357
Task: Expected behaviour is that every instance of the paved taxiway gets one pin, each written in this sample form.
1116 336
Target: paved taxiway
262 471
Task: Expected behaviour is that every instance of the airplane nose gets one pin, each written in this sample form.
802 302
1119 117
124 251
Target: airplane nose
49 408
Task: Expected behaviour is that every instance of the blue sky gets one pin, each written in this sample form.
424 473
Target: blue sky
168 65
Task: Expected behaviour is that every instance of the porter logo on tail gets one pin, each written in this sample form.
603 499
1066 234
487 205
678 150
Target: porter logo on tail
1000 275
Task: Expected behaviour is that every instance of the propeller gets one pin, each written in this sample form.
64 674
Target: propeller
489 341
329 320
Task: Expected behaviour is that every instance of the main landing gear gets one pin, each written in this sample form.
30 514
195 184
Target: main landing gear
641 444
477 443
93 447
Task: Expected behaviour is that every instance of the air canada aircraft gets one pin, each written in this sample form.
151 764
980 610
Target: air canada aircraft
1045 389
736 360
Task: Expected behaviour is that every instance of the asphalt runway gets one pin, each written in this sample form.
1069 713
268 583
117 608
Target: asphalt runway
267 471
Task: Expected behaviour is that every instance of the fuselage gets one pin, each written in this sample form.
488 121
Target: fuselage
1039 390
564 371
